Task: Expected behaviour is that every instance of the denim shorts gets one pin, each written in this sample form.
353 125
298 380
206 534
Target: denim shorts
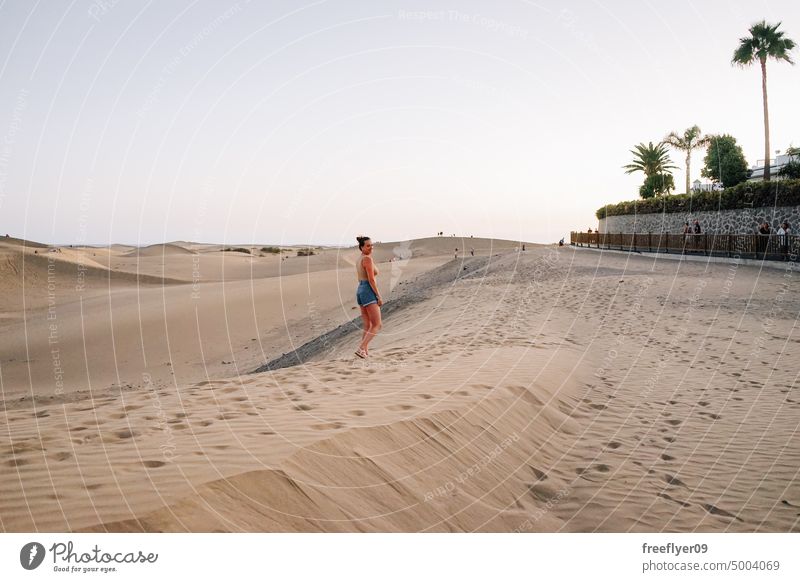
364 294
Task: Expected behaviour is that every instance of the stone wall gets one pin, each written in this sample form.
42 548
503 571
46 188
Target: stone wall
740 221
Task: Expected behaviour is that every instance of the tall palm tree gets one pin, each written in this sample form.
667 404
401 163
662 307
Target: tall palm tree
650 159
691 139
765 41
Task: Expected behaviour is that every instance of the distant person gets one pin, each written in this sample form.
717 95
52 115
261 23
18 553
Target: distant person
763 237
686 229
367 295
697 229
472 251
523 247
783 237
456 255
561 242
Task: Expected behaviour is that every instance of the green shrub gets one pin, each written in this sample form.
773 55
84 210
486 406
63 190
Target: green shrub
657 184
237 250
745 195
305 252
724 161
272 250
790 170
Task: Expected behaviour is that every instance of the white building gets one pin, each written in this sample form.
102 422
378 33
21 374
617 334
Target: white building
757 171
698 186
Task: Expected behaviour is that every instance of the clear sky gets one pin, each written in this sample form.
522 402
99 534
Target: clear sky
295 122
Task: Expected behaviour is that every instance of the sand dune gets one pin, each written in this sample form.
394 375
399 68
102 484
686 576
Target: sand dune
551 390
176 333
159 250
33 277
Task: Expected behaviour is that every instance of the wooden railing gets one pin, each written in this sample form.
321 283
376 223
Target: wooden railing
770 247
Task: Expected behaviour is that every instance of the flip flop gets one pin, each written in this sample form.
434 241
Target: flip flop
360 353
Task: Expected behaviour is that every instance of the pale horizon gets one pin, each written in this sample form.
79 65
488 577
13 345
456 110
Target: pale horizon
140 124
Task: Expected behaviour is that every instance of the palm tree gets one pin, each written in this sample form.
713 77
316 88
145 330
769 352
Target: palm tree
691 139
650 159
764 42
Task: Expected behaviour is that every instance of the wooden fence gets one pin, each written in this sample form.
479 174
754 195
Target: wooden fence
770 247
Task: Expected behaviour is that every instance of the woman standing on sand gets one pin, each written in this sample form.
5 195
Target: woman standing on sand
367 295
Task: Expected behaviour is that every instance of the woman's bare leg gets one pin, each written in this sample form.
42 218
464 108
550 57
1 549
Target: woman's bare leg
374 314
365 319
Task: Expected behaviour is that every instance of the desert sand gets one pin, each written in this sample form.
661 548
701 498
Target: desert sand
551 390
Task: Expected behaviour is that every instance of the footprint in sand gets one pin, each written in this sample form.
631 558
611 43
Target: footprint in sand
614 445
670 498
714 510
328 426
425 396
61 456
356 413
672 480
153 464
303 407
540 475
16 462
711 415
400 407
542 492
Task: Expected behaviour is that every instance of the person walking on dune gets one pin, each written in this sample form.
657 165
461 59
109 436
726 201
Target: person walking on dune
367 295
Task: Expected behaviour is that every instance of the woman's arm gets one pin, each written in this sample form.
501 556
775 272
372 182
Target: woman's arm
370 268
